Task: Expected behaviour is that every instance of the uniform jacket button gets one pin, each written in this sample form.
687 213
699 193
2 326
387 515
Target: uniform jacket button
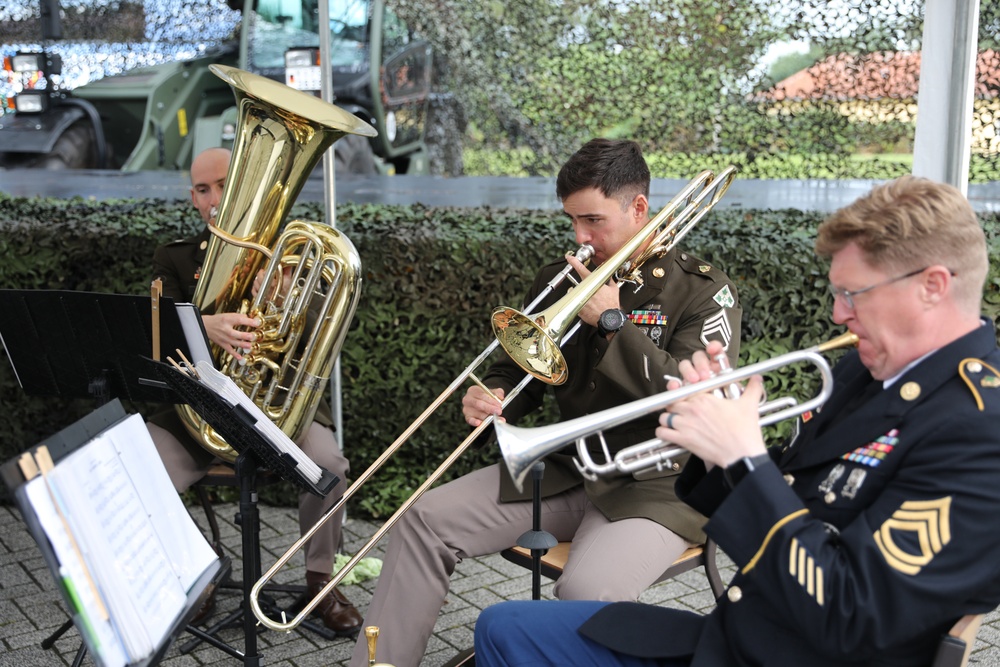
735 594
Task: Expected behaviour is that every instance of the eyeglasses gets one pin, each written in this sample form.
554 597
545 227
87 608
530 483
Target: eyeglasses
848 295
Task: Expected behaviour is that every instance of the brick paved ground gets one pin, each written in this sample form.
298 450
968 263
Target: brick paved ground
31 609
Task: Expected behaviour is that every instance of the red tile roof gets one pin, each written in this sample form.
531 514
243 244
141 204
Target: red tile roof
883 74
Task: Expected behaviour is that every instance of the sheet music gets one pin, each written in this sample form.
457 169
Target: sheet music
183 544
141 552
75 578
227 389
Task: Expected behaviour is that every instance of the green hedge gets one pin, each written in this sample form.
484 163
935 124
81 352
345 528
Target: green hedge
431 278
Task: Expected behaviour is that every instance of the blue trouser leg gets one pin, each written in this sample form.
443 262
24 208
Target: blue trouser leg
530 633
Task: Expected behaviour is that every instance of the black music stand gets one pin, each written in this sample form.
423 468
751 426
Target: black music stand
59 446
236 425
89 345
69 344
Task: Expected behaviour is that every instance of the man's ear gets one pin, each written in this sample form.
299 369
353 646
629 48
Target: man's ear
641 209
936 281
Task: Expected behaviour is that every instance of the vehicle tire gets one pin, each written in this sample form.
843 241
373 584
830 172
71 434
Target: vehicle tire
74 149
353 154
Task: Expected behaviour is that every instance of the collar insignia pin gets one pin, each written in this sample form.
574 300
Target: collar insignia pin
910 391
658 272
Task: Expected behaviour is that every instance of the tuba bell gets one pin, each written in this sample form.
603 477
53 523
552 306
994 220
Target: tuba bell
281 135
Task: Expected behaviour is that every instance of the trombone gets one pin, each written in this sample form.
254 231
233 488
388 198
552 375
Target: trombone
533 343
521 446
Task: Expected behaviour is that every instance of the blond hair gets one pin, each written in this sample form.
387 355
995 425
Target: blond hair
910 223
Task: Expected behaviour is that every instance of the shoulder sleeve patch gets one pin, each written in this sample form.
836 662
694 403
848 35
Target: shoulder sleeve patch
724 297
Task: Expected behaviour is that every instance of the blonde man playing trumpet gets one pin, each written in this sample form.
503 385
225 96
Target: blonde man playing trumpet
870 533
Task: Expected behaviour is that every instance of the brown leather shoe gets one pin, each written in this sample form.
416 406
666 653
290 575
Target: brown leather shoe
337 612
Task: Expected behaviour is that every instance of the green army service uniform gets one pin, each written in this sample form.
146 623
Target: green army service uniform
682 304
625 532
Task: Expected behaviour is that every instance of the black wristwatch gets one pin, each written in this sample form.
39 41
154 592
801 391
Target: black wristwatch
737 470
611 321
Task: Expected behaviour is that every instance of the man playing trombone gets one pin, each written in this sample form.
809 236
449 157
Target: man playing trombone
625 531
871 532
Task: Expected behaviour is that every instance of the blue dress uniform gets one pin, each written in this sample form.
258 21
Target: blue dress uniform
872 535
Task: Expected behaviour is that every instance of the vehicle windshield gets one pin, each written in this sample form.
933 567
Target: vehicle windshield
282 24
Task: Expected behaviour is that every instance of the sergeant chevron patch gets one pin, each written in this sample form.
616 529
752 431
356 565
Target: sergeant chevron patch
914 534
804 569
717 327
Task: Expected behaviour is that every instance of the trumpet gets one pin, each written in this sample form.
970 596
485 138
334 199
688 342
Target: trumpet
538 355
521 447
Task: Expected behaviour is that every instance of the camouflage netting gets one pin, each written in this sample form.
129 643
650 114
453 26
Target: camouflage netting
799 89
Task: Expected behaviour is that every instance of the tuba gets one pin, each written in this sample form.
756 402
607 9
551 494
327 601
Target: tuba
281 135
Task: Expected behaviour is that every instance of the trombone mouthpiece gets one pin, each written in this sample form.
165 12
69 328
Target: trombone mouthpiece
584 252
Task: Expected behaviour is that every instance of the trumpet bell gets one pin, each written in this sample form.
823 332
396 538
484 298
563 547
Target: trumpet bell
530 346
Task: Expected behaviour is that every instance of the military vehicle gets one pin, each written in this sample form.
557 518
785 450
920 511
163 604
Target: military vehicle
158 117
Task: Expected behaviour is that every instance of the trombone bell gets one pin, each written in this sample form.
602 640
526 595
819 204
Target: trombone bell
531 347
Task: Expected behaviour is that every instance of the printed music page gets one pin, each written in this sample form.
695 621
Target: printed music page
76 579
194 332
183 544
136 537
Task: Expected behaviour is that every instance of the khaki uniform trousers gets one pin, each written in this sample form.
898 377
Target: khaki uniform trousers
319 445
463 519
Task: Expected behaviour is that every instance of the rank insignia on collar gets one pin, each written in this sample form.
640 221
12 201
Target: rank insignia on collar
658 272
704 268
724 297
806 416
914 534
990 381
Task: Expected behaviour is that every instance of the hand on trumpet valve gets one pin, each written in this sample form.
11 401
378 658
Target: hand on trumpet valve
477 405
718 430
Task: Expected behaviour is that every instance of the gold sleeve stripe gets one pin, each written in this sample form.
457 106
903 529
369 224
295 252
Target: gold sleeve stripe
767 538
805 571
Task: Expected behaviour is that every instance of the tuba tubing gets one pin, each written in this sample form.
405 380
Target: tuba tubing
521 447
275 150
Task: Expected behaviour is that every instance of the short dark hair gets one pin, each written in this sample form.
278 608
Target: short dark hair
613 166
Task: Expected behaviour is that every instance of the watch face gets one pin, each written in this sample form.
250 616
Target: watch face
612 320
